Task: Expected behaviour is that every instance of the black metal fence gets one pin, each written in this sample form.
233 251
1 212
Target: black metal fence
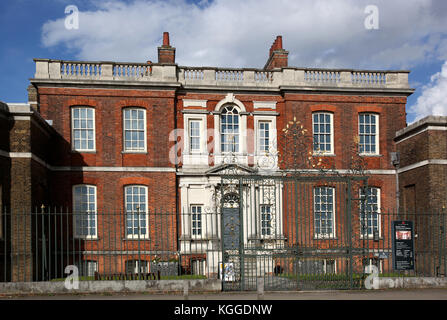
158 244
39 245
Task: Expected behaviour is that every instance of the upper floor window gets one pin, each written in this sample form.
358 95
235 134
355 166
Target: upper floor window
368 133
84 210
229 129
194 135
323 135
369 214
136 211
264 136
83 128
134 129
324 212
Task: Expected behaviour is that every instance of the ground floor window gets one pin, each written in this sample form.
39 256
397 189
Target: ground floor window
87 268
137 266
196 220
329 266
136 211
266 220
84 207
368 262
324 212
198 266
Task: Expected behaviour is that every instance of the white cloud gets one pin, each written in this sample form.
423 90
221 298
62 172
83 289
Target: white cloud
433 97
234 33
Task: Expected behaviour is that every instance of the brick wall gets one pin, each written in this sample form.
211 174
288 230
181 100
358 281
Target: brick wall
55 105
345 108
423 187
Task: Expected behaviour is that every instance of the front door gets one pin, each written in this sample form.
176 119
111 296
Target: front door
231 249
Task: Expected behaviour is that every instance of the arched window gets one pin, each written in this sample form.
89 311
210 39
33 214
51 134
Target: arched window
229 129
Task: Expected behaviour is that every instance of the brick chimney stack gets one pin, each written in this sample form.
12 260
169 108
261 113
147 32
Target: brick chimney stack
277 55
166 53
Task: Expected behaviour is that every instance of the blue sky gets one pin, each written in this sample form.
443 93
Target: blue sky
233 33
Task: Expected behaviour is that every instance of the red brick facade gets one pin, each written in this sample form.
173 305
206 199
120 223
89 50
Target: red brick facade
111 169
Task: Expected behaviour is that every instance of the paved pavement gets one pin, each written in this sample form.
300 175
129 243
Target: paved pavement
389 294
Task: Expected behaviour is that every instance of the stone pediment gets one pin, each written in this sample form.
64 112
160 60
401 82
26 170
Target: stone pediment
230 169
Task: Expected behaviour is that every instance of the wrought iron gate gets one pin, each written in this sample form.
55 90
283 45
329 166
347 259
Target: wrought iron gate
296 232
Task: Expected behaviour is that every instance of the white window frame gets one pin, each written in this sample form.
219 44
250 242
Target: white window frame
78 214
131 149
198 266
260 138
85 266
240 134
260 156
379 226
380 267
137 236
270 227
136 267
200 122
324 235
199 235
331 118
73 129
376 135
195 158
325 265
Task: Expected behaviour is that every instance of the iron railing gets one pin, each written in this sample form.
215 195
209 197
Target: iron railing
158 244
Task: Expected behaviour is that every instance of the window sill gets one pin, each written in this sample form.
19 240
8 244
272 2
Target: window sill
325 238
194 154
370 155
87 238
323 154
133 152
195 238
266 238
371 238
83 151
136 239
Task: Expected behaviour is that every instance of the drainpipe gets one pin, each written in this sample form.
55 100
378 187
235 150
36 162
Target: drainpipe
395 161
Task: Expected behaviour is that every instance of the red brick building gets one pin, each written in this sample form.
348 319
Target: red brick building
423 165
155 137
422 171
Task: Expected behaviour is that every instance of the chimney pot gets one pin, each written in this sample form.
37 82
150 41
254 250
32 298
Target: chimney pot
279 42
166 53
165 39
277 59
